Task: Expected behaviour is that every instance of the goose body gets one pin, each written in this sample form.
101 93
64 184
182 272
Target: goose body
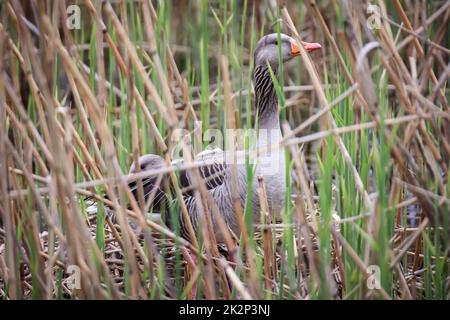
218 173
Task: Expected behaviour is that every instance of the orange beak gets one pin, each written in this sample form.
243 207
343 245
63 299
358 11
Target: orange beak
295 50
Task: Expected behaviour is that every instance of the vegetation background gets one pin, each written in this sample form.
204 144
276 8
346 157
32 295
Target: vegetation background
367 139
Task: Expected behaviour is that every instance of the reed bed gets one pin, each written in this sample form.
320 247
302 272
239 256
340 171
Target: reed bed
366 126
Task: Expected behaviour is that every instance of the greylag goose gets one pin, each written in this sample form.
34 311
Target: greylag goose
218 175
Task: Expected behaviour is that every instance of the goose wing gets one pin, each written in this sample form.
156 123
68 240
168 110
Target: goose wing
212 170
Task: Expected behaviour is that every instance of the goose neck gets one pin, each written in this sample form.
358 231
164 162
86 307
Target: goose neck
266 98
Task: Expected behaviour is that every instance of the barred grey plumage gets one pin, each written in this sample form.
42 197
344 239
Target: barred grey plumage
218 175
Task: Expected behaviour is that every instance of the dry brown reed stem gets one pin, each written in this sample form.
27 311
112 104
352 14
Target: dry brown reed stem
194 274
169 116
170 169
323 101
182 82
27 67
305 231
337 53
25 119
440 198
401 149
123 68
135 142
184 210
360 263
96 114
91 100
231 124
402 281
40 175
9 270
415 91
408 242
309 200
205 226
65 133
269 259
324 27
20 128
28 221
316 116
54 146
139 98
151 39
237 283
304 184
397 150
394 52
417 44
428 21
415 35
100 165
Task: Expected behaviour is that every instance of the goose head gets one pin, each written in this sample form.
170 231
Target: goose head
266 50
147 162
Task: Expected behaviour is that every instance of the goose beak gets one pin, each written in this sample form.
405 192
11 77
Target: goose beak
295 50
